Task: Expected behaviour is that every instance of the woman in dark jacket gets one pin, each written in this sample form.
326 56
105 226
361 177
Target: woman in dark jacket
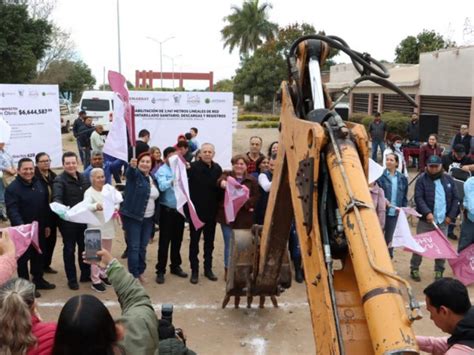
244 218
138 211
46 176
429 149
393 181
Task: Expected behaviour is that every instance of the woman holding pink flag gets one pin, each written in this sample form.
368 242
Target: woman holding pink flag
244 215
94 197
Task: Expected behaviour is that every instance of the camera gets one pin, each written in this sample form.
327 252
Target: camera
166 329
167 312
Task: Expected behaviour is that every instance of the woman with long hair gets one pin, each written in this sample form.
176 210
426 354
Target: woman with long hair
21 328
156 159
395 188
428 149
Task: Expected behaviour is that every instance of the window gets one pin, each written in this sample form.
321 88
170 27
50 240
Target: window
95 105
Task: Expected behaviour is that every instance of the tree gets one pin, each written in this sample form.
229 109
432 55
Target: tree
262 73
106 87
247 26
23 42
409 49
61 48
225 85
74 77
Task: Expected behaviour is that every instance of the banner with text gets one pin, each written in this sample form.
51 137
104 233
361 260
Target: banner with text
32 111
169 114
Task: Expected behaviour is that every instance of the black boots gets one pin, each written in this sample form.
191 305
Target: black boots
299 276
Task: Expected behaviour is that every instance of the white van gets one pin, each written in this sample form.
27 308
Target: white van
99 105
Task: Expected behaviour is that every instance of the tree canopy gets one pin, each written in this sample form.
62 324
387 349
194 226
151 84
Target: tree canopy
248 26
74 77
409 49
23 42
262 73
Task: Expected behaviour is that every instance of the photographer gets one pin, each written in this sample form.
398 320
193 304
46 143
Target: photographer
172 341
134 332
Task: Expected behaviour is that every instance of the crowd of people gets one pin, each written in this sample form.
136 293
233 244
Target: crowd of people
146 203
437 196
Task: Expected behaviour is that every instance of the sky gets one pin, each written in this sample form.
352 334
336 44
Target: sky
369 26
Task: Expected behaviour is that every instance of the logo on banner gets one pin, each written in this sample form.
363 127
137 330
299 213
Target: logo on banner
154 100
50 93
214 101
21 93
3 93
177 98
33 93
193 99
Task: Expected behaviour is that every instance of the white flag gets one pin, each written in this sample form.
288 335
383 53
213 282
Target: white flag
112 198
116 142
402 236
5 131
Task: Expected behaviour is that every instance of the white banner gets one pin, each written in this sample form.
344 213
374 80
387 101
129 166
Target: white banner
169 114
32 111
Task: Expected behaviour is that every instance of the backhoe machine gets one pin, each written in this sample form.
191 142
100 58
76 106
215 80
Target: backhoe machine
355 297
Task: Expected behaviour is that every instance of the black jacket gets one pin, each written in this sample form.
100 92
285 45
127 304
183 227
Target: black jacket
84 135
464 332
204 190
465 141
53 218
68 190
140 148
425 195
78 123
27 202
413 131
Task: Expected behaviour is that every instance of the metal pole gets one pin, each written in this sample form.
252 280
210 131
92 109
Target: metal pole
118 38
172 68
161 66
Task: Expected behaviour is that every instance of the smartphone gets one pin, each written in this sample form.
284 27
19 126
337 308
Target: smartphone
93 243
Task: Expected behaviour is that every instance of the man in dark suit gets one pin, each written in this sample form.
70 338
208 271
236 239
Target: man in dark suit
27 201
203 175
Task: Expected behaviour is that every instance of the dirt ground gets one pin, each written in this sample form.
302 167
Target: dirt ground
210 329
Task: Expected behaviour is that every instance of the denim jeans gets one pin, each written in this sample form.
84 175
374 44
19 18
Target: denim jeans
416 259
81 152
227 234
3 210
294 244
390 224
138 237
467 234
375 145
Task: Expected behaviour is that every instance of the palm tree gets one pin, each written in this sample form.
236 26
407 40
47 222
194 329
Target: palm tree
247 26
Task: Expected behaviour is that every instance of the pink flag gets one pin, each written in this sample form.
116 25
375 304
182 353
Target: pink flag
235 197
436 245
463 266
23 236
118 84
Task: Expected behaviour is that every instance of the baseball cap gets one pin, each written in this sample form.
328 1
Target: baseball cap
459 148
434 160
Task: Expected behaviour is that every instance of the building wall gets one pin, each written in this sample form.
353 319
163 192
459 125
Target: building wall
448 72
